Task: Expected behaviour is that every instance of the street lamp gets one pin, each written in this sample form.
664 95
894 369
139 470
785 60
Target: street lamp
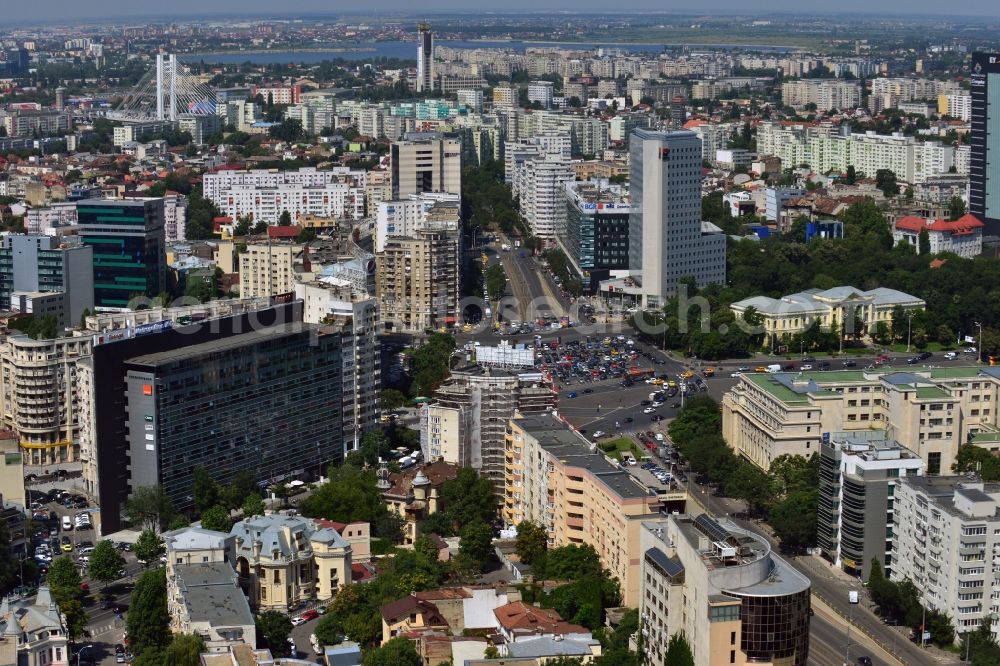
979 349
79 653
909 318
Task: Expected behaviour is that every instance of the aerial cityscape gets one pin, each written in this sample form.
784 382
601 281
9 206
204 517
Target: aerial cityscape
512 336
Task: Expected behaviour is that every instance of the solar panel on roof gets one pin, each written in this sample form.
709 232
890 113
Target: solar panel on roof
672 567
712 528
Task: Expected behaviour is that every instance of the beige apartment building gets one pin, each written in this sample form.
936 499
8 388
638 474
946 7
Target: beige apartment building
417 279
38 395
580 497
268 269
929 410
426 162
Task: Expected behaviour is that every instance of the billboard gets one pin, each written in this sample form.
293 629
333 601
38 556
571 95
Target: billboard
506 356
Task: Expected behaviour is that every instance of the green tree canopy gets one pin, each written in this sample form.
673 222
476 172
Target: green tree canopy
148 621
532 542
148 547
274 628
217 518
397 651
106 563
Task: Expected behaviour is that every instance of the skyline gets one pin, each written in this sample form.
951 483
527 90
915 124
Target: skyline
60 10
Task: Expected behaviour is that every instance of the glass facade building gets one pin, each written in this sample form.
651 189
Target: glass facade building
129 248
597 232
984 167
266 402
775 629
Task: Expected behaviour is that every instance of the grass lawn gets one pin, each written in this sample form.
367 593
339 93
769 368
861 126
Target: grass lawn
615 447
931 347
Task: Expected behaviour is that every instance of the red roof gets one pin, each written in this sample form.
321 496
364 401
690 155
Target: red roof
283 232
964 225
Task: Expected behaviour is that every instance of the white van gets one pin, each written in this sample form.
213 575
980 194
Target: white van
67 524
773 368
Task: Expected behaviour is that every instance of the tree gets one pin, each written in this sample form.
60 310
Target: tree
217 518
253 506
532 542
64 579
285 219
748 483
477 542
185 650
391 400
852 175
74 615
885 180
8 563
148 547
148 621
496 282
149 508
351 496
924 242
956 208
328 630
794 520
106 563
491 652
204 490
274 628
398 651
678 651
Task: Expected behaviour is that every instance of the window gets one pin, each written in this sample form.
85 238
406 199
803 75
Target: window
277 575
934 463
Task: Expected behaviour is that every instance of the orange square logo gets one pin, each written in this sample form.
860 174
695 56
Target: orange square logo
147 389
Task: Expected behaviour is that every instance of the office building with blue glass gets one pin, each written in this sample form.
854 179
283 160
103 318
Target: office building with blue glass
267 402
129 245
984 167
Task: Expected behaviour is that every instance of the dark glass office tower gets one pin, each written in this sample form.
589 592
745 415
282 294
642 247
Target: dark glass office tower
984 169
129 248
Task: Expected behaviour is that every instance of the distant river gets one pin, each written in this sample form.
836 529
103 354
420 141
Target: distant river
408 50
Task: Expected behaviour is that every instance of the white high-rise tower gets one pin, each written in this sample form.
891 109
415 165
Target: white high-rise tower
425 58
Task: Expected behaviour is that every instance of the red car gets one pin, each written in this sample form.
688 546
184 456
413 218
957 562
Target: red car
310 615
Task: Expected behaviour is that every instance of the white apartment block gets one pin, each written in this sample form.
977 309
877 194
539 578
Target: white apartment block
471 99
337 200
335 301
946 540
405 217
541 92
540 187
957 106
913 89
215 184
823 149
174 216
516 153
714 137
825 94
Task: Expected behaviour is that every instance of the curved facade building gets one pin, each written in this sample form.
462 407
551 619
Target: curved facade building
693 568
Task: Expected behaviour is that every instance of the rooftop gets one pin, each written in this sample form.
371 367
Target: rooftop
205 348
565 444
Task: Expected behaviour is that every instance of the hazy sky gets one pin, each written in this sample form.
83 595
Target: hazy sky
57 10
